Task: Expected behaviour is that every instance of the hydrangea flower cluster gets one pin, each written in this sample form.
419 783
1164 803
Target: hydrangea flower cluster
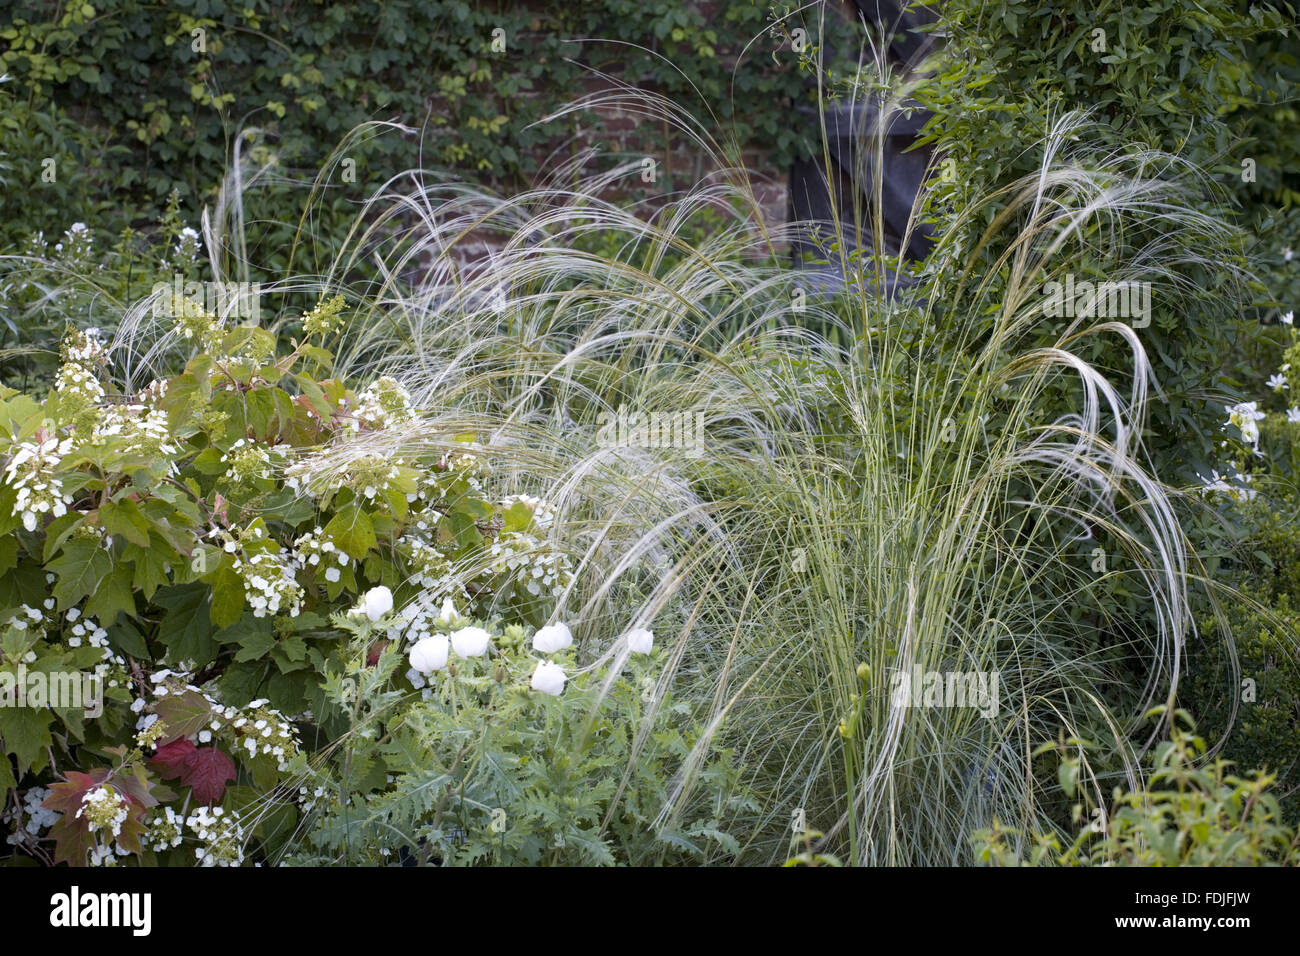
196 324
256 729
428 565
28 823
382 403
325 317
365 475
246 461
103 808
78 386
77 383
31 473
270 586
138 429
163 831
221 834
152 394
307 799
260 730
84 629
522 556
27 616
316 549
75 631
107 854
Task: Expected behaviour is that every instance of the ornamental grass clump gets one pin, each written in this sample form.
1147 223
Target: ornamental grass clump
946 481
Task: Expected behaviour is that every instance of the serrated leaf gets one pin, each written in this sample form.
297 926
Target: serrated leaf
114 594
183 714
80 569
186 628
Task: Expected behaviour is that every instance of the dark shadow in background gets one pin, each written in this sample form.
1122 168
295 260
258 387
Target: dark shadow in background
850 131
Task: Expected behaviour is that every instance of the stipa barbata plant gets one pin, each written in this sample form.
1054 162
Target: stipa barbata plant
905 503
911 502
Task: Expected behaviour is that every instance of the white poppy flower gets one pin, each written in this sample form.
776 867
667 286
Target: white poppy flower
470 641
640 641
430 654
549 678
377 602
552 638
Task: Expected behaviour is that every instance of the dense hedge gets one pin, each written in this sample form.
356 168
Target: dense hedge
1208 83
135 99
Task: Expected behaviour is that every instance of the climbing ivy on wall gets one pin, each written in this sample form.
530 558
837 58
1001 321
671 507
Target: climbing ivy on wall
141 98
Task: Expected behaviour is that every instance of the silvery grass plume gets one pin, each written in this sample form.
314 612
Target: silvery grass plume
909 502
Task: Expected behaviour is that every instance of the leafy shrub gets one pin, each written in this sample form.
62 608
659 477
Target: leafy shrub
1250 699
1009 70
80 276
225 546
1191 813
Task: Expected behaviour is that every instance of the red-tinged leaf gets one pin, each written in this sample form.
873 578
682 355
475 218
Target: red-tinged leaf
171 758
184 714
208 770
137 787
72 840
72 837
66 797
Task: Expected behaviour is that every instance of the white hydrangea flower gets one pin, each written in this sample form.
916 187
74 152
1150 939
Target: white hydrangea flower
30 473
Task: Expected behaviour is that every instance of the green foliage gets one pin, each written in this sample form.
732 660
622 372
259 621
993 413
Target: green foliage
1251 699
1192 812
482 770
1207 84
83 274
225 546
167 91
